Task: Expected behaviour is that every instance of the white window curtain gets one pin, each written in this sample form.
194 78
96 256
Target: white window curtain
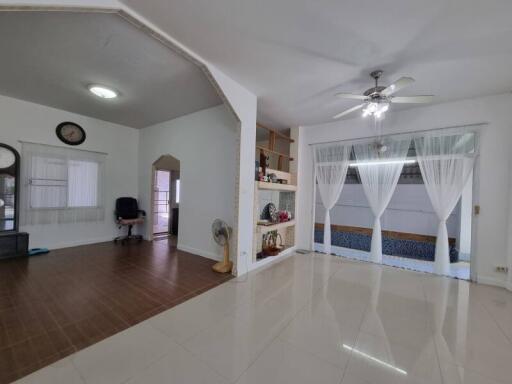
331 165
379 165
446 161
61 185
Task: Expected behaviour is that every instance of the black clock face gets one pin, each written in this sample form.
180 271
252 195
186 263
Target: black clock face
70 133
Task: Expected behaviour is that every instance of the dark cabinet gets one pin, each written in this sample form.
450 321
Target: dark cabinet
13 244
175 220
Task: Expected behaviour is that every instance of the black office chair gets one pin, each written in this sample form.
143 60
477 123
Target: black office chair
128 214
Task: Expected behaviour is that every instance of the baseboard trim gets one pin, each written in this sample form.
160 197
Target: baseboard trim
80 242
199 252
493 281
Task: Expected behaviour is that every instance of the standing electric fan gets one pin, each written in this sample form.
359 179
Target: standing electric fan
221 234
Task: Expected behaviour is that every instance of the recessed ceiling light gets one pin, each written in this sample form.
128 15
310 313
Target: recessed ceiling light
102 92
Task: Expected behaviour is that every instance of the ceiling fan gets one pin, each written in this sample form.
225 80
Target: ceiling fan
376 100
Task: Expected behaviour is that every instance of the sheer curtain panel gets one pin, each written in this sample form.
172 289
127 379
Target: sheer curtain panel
331 165
61 185
446 161
380 164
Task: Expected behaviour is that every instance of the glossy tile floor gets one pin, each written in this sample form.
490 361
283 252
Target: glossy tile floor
56 304
312 319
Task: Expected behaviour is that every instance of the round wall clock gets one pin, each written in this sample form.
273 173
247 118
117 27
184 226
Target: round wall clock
7 157
70 133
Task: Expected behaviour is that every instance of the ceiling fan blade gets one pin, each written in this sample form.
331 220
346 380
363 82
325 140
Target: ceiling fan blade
344 113
351 96
412 99
397 85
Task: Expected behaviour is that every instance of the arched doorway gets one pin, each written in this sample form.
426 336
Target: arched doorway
165 199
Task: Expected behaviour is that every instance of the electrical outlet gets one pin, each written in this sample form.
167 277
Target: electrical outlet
501 268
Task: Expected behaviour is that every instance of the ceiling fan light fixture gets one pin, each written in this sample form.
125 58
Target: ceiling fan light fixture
376 100
375 109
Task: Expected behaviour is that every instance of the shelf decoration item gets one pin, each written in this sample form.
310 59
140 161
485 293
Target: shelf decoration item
284 216
264 161
270 213
270 246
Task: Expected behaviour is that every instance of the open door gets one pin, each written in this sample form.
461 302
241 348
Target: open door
161 202
166 197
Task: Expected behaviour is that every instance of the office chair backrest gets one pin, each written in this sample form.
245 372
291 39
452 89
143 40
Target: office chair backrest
127 208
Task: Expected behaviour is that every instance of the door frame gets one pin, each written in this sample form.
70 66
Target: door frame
154 168
153 182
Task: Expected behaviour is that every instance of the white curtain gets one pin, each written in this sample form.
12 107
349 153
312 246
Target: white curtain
446 161
379 165
61 185
331 165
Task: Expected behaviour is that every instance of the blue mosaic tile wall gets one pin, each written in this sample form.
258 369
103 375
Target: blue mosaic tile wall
413 249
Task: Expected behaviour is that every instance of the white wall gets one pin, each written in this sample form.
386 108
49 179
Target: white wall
21 120
205 143
244 104
492 176
408 211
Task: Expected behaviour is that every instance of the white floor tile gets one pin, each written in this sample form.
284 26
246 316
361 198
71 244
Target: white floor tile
118 358
453 374
321 330
232 345
189 318
179 366
61 372
282 363
376 360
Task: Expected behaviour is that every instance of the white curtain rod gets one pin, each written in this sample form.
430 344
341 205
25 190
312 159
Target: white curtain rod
61 147
413 133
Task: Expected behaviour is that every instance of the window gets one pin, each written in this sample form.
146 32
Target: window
57 183
177 191
61 185
411 173
82 184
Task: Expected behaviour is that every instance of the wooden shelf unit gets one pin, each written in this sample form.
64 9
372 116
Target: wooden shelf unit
267 228
285 229
270 148
276 186
276 133
265 259
284 168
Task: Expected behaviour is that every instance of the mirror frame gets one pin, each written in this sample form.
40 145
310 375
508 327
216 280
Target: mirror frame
16 188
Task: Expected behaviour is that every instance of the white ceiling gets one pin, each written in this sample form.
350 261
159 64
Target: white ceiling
294 54
51 57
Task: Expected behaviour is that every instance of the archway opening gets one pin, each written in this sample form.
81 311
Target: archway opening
166 185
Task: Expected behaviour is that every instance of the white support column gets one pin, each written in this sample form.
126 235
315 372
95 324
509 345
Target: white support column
466 215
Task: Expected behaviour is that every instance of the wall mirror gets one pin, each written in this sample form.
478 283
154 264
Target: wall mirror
9 188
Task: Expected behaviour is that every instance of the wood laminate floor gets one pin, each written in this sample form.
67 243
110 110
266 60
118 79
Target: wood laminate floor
56 304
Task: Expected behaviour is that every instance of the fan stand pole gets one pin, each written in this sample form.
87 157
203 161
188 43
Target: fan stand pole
225 265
